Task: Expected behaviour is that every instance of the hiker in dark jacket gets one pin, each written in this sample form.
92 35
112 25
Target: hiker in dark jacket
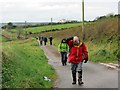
63 49
45 40
50 38
40 39
77 55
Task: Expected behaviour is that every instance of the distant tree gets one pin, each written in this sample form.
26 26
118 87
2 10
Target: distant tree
101 17
10 25
110 15
4 27
117 15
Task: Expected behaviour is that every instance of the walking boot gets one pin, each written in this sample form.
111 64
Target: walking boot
80 78
65 63
74 82
74 78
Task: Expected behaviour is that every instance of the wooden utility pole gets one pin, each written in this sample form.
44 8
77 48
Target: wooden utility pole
25 29
83 32
25 24
51 23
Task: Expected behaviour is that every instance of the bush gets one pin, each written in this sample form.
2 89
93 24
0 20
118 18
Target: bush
117 53
101 52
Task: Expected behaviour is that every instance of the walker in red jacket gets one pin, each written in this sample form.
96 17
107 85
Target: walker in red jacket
78 53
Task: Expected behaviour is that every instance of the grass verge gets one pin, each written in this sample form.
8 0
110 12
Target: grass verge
24 65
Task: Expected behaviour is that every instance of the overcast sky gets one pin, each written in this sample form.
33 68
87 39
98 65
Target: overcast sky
43 10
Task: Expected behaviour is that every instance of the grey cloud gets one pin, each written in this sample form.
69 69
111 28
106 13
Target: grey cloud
43 11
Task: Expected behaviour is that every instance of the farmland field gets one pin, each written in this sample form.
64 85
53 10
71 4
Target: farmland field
48 27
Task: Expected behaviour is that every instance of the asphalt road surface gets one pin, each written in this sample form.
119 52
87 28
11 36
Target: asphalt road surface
94 75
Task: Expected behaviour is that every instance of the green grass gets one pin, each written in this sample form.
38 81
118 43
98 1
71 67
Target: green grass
13 33
103 52
24 65
48 27
2 39
9 34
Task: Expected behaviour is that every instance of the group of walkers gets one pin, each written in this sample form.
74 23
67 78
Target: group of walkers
72 50
45 40
77 55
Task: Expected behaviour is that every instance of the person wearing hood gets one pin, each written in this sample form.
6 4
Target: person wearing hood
77 55
63 49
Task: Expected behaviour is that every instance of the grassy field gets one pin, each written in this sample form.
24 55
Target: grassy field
24 65
48 27
12 34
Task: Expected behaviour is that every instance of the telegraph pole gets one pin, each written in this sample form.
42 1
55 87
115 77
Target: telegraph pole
83 33
25 29
25 25
51 23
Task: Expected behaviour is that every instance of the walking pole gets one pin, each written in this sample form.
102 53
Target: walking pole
83 33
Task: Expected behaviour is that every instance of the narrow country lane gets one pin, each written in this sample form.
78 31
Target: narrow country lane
94 75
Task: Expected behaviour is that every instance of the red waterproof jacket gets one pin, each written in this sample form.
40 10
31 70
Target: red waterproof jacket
77 53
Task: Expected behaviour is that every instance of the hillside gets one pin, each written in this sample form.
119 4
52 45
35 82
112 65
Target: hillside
101 37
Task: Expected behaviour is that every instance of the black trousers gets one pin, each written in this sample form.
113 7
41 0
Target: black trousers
40 42
64 58
50 42
45 43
